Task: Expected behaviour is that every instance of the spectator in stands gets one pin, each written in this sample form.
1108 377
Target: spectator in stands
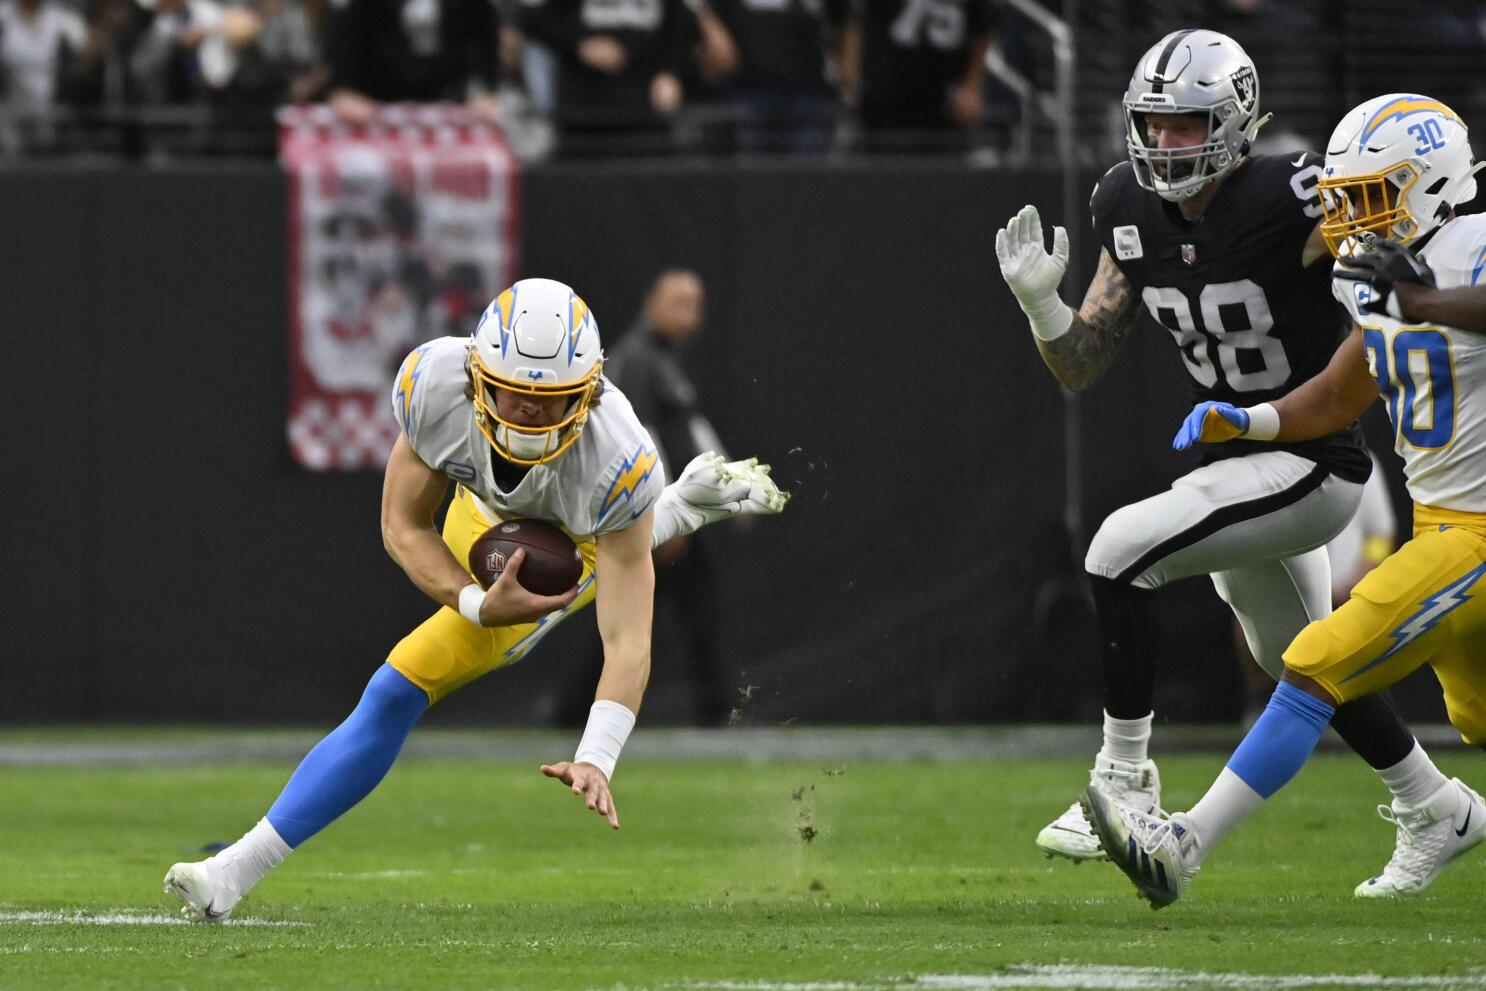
38 38
184 50
100 74
916 67
646 366
622 63
285 65
776 79
413 50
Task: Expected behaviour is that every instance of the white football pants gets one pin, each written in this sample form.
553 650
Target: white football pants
1257 524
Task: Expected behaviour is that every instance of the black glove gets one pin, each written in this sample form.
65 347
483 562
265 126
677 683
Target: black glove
1382 265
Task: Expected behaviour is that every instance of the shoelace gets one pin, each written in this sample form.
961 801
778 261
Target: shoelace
1405 830
1115 772
1159 836
1133 780
1410 862
1166 833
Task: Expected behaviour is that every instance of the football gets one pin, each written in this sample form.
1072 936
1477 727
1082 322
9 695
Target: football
552 564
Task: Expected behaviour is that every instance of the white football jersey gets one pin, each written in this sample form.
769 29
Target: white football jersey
606 481
1433 378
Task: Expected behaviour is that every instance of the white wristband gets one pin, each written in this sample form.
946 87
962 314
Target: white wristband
470 598
609 724
1264 422
1050 317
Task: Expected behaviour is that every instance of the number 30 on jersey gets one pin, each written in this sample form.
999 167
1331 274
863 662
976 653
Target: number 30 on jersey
1417 380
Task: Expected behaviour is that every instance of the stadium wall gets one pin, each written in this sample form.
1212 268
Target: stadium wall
169 563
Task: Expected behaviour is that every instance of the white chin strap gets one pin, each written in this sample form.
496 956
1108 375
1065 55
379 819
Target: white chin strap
525 445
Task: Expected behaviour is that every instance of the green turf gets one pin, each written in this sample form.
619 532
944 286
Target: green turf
485 875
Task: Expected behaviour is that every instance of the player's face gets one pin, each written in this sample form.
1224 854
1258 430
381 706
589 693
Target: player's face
1174 132
530 411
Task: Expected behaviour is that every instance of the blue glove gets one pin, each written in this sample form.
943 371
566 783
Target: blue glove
1211 423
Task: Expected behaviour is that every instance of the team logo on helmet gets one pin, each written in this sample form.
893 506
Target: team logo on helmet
1396 166
528 344
1201 73
1246 87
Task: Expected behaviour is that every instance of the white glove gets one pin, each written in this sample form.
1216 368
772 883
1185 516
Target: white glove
1033 274
710 489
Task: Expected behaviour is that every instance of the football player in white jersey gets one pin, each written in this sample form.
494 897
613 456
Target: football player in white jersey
1404 287
520 418
1222 247
1396 167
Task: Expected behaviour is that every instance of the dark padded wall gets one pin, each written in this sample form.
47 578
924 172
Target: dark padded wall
168 562
172 564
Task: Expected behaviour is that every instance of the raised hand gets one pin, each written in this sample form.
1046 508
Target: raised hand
1030 269
1033 272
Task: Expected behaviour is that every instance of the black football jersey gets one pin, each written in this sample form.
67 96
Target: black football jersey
912 51
1250 322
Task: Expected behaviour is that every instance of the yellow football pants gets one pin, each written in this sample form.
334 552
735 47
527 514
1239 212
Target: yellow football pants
1425 604
447 650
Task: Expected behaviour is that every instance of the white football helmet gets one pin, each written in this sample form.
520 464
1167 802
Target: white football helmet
538 338
1396 167
1192 72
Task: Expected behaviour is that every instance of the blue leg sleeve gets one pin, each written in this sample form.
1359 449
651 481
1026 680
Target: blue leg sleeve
346 765
1281 741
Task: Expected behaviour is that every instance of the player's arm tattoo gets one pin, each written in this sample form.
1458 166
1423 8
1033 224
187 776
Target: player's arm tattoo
1079 357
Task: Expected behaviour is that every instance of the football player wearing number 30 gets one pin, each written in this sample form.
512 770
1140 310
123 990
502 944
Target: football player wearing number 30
1396 168
1225 251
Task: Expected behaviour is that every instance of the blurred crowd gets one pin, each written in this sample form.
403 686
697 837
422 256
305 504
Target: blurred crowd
601 75
645 76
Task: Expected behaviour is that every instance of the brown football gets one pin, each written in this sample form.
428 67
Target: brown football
552 564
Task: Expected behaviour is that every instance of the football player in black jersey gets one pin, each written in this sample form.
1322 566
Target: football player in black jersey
1222 248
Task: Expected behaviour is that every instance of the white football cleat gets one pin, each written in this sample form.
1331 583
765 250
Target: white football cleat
1155 852
205 894
1448 824
1136 785
716 489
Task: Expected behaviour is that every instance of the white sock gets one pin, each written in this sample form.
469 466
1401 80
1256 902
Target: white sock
1127 739
1227 803
246 862
1413 779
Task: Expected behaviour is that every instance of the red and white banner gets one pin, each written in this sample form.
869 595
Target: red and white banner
399 231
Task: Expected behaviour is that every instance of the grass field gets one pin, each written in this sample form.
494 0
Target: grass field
768 876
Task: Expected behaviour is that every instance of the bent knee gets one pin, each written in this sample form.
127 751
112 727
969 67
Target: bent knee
1117 550
1317 655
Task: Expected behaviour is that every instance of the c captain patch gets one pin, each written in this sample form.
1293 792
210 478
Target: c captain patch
1127 243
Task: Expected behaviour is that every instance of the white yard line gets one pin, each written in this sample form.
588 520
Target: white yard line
1092 977
126 917
746 743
